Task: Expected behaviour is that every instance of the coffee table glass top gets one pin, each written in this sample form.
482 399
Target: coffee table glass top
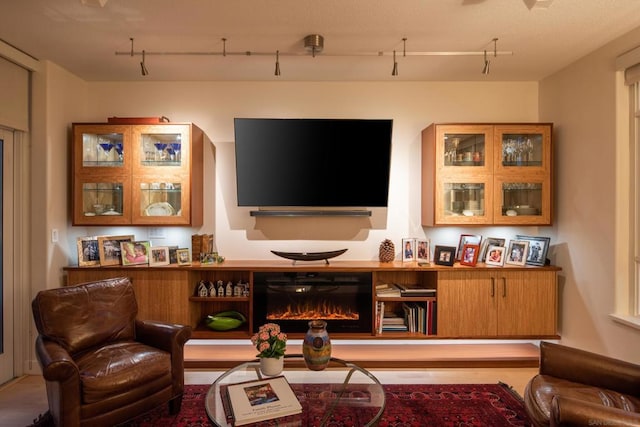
341 394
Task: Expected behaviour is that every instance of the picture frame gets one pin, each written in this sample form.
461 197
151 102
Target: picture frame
470 255
88 252
408 249
135 253
467 239
444 255
109 247
538 249
486 243
184 256
495 255
173 254
423 250
159 255
517 252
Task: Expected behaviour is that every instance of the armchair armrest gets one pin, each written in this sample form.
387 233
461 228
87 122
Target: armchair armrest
55 361
570 412
165 336
589 368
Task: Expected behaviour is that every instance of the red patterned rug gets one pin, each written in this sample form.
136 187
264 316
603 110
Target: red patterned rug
408 405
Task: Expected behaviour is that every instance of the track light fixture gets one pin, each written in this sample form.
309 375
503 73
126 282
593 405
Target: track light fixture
277 72
313 44
143 67
487 62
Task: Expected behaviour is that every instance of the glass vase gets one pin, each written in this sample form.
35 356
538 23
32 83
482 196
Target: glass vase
316 346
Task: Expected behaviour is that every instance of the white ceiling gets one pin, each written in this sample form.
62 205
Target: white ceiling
83 37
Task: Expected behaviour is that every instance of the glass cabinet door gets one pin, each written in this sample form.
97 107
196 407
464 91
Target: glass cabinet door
463 202
161 200
102 199
163 146
524 146
102 148
522 202
464 149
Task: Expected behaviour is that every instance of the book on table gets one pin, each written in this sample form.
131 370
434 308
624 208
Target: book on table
260 400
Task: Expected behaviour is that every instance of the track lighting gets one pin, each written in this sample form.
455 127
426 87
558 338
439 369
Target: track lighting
487 62
143 67
314 45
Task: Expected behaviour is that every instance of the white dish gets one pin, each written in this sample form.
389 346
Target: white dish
159 209
110 213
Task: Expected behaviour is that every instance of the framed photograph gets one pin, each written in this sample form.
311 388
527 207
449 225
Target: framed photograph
467 239
444 255
173 254
159 255
486 243
134 253
538 249
495 255
517 252
470 255
109 247
88 253
184 257
408 249
423 250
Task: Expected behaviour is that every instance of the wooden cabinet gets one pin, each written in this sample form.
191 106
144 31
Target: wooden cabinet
479 302
487 174
137 174
497 303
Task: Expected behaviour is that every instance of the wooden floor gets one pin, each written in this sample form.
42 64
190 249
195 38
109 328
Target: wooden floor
23 399
215 356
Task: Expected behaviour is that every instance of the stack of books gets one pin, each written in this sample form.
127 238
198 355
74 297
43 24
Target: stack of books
415 291
387 290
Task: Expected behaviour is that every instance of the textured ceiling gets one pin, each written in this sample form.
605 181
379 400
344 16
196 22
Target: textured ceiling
83 37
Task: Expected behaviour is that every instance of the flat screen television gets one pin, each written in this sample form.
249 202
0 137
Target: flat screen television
313 162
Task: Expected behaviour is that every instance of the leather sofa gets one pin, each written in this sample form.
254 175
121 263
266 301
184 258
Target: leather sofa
578 388
101 365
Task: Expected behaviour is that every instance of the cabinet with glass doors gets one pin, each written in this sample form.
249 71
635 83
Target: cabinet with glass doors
137 174
486 174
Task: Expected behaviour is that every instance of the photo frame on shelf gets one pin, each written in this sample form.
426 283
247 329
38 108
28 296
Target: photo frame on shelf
408 249
538 249
517 252
135 253
88 252
470 255
444 255
158 255
173 254
109 247
486 243
495 255
423 250
184 256
467 239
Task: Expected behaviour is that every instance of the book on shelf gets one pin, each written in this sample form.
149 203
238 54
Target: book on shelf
387 290
260 400
415 291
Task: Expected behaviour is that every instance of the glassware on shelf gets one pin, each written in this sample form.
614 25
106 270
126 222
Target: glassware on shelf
105 149
118 147
176 147
160 150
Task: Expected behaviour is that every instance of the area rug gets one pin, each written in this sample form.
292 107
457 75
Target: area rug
408 405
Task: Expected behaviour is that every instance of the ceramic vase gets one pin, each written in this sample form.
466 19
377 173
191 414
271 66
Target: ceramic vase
316 346
271 366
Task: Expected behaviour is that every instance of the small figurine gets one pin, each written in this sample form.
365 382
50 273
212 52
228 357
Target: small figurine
212 290
229 292
202 289
220 288
237 289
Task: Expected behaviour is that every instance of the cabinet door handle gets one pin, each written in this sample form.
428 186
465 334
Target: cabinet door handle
493 287
504 287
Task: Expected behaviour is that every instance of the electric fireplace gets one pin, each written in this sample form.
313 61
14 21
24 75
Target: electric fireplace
292 299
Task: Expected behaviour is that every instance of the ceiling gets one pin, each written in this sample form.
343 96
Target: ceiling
535 37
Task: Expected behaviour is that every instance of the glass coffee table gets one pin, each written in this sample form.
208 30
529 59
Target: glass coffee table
341 394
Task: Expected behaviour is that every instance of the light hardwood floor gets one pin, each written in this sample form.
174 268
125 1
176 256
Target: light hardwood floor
21 400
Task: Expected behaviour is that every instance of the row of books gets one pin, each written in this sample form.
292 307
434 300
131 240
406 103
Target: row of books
420 317
403 290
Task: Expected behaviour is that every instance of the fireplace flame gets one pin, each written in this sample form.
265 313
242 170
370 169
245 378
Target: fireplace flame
308 311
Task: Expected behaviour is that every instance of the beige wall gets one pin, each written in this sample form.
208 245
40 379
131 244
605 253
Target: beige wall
581 100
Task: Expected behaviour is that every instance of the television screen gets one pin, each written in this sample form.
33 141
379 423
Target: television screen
313 162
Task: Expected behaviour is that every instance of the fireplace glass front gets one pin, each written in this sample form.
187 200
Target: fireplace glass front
292 299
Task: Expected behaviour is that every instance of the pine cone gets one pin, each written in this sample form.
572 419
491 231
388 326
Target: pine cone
387 251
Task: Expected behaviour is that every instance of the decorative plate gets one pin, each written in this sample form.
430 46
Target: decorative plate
159 209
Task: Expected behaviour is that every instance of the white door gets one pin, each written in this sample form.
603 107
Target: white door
7 371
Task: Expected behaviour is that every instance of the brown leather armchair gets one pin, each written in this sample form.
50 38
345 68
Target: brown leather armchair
101 365
579 388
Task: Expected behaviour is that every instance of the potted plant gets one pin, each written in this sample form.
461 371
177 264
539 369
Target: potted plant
271 344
